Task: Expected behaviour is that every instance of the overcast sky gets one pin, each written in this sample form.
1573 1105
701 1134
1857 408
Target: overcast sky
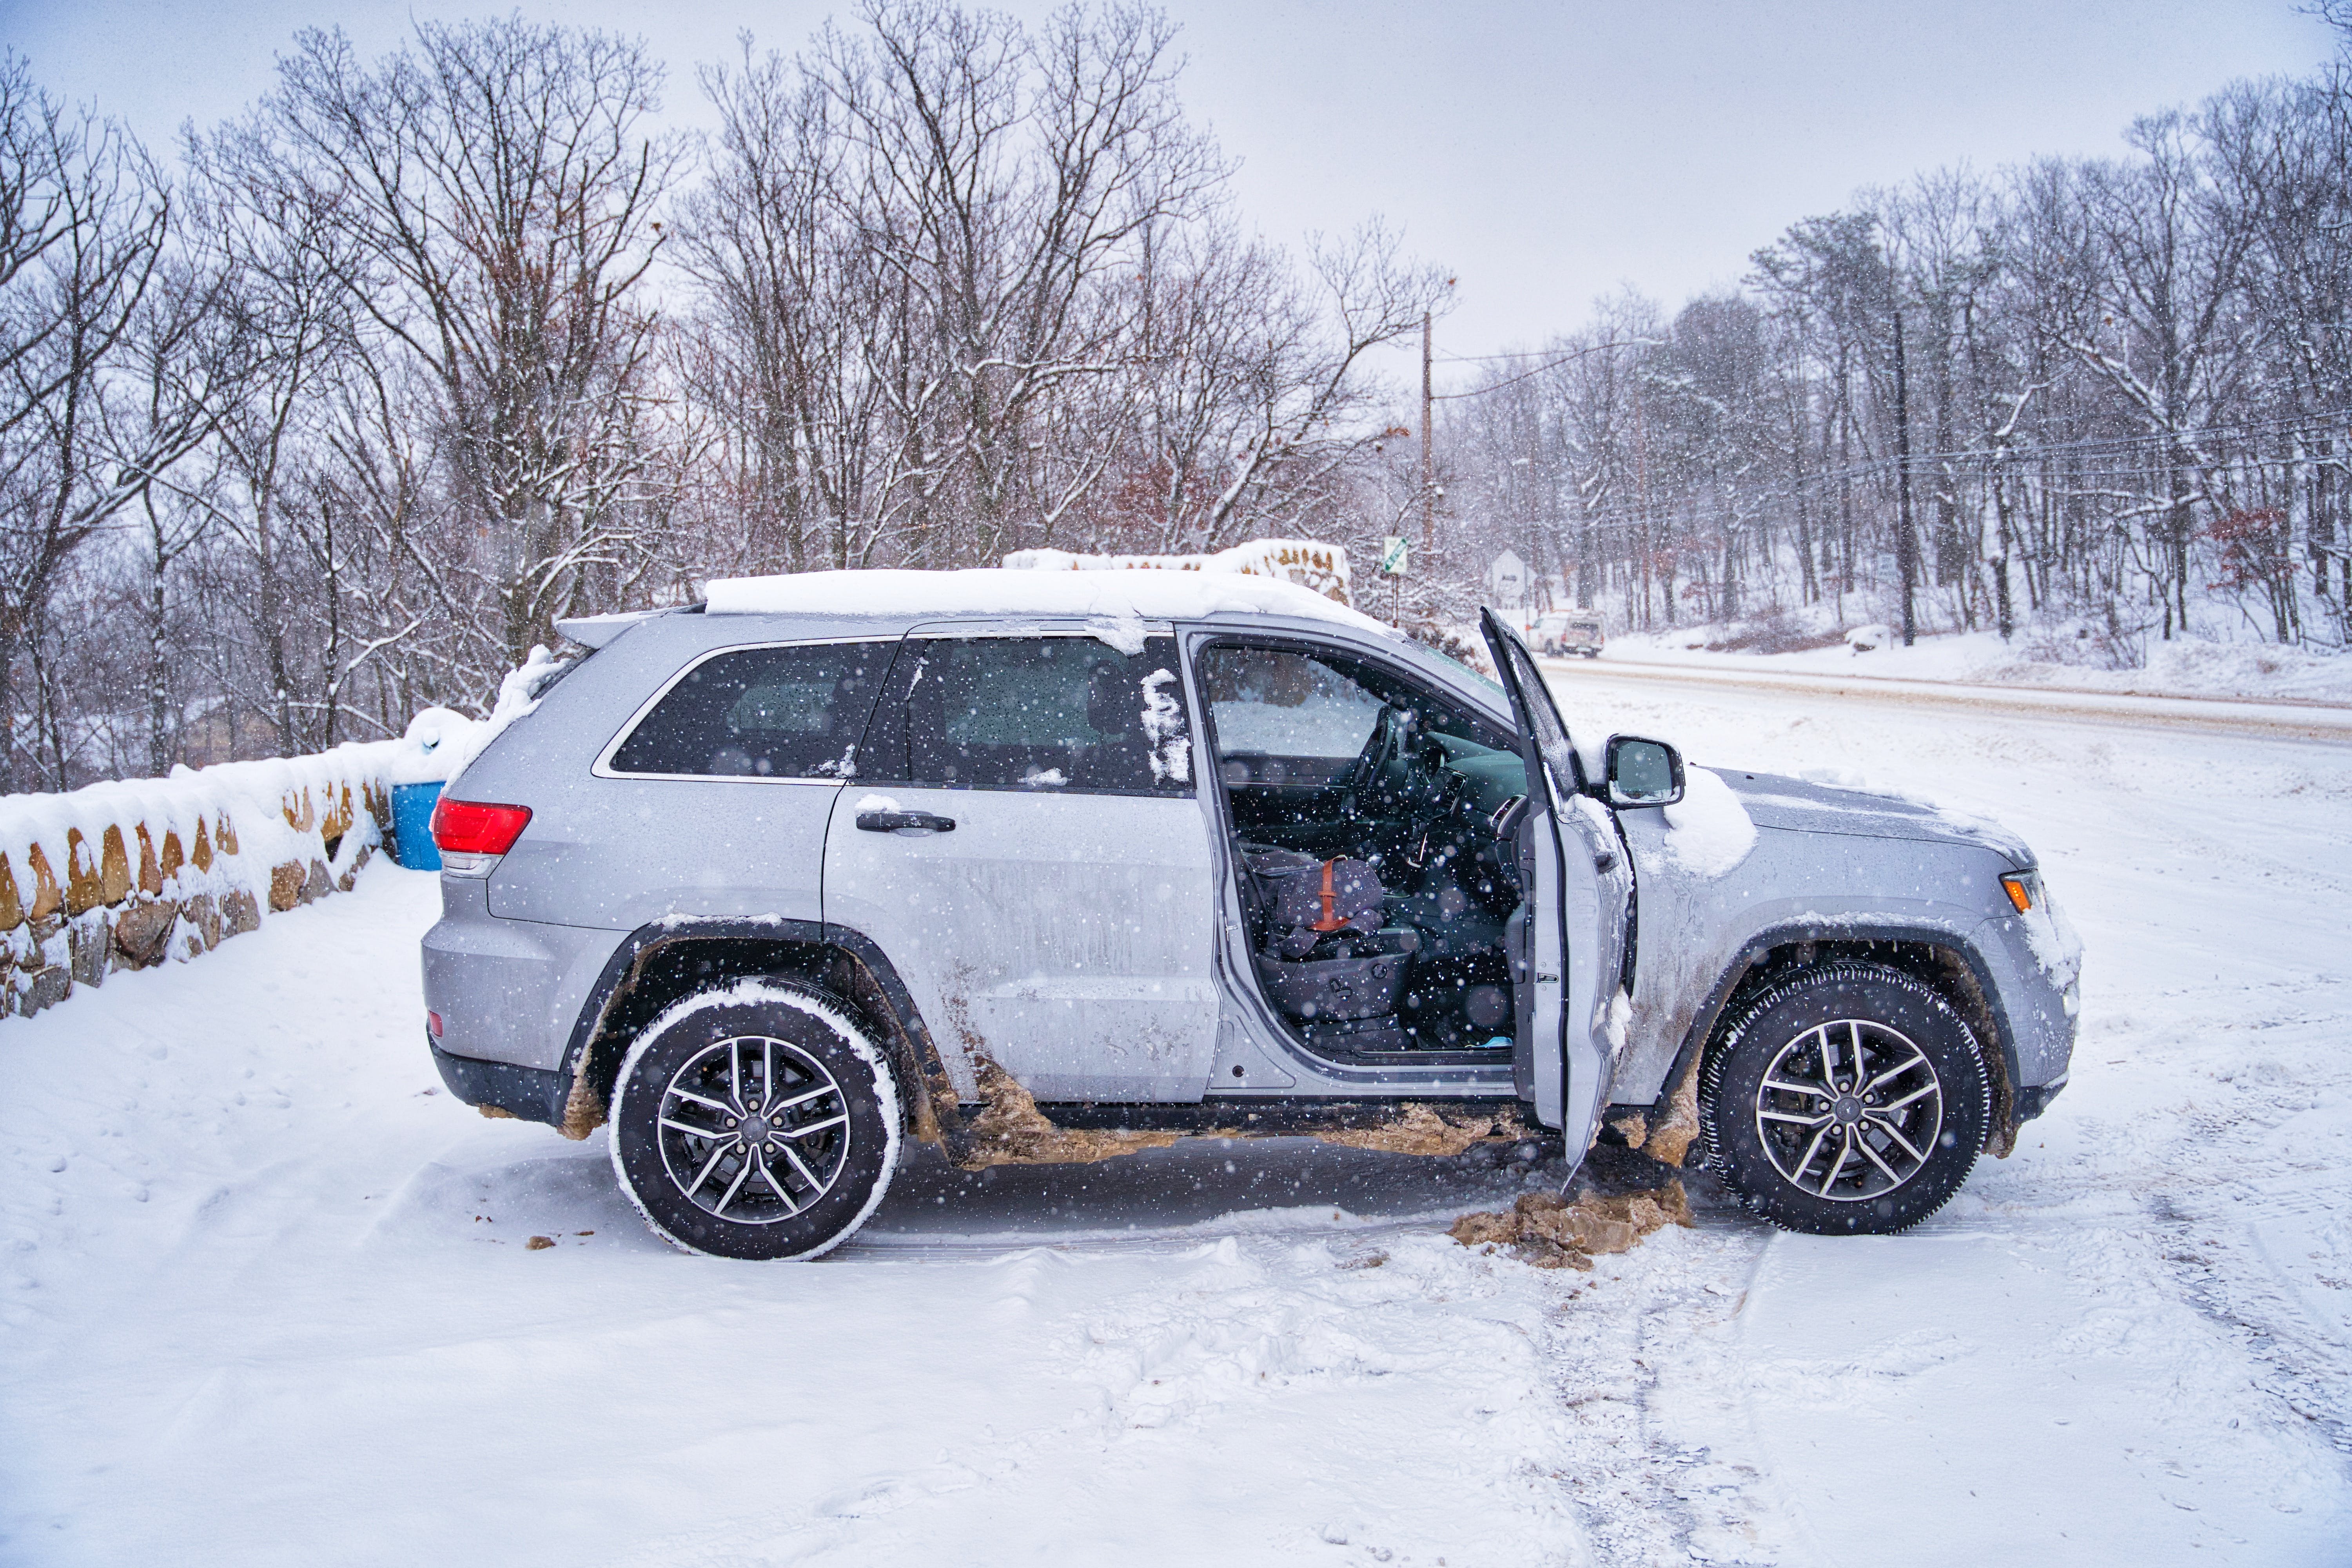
1545 152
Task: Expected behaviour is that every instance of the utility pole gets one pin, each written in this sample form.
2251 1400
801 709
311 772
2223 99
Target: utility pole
1906 546
1642 496
1530 598
1428 450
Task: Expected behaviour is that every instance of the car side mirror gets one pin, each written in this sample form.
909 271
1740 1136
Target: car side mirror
1642 772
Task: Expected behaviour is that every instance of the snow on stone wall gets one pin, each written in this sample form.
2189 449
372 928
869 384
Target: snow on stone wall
128 874
1320 567
125 875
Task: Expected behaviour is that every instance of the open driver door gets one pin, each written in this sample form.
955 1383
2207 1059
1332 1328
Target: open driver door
1569 952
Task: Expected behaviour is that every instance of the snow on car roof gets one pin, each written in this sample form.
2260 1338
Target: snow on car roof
1117 595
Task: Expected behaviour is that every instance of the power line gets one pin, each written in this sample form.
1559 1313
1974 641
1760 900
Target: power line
1530 354
1586 352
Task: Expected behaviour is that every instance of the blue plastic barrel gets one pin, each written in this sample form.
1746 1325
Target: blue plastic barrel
412 825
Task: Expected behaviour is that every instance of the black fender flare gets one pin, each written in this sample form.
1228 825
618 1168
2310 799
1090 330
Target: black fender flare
1860 933
934 1102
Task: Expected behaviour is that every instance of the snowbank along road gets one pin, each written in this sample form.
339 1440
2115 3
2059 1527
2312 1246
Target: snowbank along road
265 1295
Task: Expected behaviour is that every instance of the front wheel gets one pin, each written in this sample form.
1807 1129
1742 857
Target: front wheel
758 1121
1848 1098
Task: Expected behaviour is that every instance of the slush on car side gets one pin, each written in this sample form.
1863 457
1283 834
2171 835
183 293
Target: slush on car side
1052 866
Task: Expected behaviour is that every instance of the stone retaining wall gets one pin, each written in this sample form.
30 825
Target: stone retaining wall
131 875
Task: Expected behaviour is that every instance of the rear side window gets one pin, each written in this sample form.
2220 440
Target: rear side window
1067 713
762 712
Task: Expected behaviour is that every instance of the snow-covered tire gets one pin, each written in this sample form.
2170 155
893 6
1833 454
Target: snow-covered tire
1848 1098
756 1121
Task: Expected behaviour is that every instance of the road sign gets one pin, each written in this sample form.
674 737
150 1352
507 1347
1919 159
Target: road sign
1507 577
1393 552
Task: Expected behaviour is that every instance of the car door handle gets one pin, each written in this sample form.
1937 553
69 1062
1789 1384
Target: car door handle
891 821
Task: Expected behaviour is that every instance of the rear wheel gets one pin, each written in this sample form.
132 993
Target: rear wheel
1847 1098
757 1122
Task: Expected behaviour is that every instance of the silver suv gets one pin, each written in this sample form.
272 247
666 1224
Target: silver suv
1053 867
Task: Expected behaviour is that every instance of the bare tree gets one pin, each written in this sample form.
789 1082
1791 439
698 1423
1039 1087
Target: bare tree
1312 420
998 176
498 187
82 237
187 350
287 259
2144 293
797 329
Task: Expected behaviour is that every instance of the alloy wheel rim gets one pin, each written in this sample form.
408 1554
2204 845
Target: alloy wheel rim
753 1129
1850 1110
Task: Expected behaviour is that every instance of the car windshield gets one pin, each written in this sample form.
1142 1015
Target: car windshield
1472 670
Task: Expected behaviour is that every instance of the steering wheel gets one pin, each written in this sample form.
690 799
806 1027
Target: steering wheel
1382 753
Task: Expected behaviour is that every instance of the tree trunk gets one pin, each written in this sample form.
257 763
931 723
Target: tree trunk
1906 541
10 639
159 746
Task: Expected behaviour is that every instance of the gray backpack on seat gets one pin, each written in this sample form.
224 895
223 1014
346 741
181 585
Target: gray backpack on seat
1301 900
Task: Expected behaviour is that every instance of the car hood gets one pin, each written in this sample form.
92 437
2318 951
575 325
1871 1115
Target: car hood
1800 805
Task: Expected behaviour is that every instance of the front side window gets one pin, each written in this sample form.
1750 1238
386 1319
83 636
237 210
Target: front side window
1273 702
762 712
1038 713
1283 715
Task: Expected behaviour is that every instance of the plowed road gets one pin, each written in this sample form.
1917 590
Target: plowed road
2263 718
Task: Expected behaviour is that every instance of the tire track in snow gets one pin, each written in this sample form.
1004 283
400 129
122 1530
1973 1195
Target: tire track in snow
1638 1359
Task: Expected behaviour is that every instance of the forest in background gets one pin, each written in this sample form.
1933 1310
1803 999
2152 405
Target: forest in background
2100 402
328 413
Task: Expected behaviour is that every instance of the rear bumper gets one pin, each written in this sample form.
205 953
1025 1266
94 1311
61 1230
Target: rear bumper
534 1094
508 991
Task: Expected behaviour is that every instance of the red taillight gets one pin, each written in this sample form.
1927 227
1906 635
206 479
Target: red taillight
433 1022
471 827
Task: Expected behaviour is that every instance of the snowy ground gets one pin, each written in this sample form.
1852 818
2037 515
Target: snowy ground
264 1296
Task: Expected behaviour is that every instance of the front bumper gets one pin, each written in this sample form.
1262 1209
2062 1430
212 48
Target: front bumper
2035 967
2032 1100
